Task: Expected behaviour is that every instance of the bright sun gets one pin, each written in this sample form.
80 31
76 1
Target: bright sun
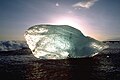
71 21
67 21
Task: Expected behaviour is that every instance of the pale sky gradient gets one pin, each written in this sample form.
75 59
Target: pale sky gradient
99 19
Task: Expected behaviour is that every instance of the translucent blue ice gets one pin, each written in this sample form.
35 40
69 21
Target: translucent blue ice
60 42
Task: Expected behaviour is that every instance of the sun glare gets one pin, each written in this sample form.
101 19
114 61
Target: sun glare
71 21
67 21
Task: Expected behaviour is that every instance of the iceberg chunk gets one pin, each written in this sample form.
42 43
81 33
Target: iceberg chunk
60 42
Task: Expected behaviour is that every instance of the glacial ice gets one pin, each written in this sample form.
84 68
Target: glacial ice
12 45
60 42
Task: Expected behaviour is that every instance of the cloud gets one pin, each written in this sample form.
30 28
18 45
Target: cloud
57 4
84 4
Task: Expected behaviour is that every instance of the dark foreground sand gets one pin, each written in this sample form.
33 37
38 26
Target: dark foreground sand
105 66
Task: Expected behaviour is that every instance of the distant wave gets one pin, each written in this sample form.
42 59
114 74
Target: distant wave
12 45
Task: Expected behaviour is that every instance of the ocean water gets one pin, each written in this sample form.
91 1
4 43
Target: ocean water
105 66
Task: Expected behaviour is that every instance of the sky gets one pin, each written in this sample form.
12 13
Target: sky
99 19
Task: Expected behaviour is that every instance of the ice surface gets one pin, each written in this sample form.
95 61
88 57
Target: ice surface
12 45
60 42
